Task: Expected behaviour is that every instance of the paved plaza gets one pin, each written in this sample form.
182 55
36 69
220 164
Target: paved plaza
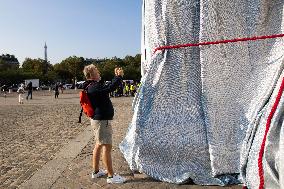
43 146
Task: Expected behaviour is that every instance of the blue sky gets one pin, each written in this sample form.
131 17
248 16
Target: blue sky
87 28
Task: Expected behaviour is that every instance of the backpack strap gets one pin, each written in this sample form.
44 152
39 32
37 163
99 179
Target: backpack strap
86 88
81 112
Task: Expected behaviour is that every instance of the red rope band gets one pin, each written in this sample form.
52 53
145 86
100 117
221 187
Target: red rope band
218 42
261 152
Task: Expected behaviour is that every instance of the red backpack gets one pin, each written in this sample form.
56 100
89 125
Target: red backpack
86 104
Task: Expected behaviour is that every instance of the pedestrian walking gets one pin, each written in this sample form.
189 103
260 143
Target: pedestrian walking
56 90
30 90
20 92
4 88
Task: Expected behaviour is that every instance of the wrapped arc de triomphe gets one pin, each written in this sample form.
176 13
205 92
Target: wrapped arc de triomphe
201 112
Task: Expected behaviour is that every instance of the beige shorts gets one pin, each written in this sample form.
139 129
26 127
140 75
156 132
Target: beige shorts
102 131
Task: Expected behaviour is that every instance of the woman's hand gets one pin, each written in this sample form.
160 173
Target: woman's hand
119 72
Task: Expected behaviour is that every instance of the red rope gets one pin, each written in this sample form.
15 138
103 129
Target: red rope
261 152
218 42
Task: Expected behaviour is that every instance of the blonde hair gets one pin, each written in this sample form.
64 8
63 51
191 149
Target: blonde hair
91 71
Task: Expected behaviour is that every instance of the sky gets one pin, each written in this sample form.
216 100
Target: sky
87 28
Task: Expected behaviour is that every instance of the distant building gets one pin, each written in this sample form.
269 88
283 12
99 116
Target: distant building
10 61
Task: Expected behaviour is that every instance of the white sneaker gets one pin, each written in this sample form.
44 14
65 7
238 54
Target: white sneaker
116 179
98 174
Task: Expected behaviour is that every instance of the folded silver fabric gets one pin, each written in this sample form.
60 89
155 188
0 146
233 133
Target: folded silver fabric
195 104
272 160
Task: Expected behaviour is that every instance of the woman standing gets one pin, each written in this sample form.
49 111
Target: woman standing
98 94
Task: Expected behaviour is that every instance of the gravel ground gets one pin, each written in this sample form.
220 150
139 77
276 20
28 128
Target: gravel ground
32 133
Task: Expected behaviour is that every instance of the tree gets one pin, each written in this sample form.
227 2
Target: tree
4 65
107 69
132 69
15 76
68 70
71 68
8 62
62 73
131 66
36 66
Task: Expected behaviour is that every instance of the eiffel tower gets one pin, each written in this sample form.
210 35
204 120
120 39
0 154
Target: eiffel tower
45 60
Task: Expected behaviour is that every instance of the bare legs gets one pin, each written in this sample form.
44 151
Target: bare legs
106 157
96 157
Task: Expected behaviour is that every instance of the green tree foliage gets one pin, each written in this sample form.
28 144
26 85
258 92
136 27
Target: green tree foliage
38 68
9 69
132 69
4 65
8 62
71 68
15 76
62 73
67 70
130 64
107 68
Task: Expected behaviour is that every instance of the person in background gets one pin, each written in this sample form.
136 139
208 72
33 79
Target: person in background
132 89
20 92
127 88
98 94
56 90
30 90
4 88
61 88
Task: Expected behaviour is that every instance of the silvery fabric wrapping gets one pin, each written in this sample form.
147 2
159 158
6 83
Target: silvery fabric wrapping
237 78
195 104
274 149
